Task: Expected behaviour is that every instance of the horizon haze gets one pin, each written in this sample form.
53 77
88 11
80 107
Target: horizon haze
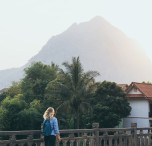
26 25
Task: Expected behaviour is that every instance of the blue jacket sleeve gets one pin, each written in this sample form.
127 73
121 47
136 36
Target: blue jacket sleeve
56 127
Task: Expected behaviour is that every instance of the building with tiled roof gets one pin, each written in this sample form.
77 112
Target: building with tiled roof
139 96
144 88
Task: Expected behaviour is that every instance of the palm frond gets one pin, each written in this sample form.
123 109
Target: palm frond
67 80
65 107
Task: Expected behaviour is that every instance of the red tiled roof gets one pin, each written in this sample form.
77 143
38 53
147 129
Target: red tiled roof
135 95
123 86
145 89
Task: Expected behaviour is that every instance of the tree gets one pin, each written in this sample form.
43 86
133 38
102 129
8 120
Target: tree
3 96
147 82
109 105
30 119
73 87
9 112
37 76
16 114
14 90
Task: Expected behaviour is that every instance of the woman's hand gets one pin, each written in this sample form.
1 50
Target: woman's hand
58 137
42 137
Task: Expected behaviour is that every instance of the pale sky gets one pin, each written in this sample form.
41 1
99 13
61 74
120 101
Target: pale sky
26 25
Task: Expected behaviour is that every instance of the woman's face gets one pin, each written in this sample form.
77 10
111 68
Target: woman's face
53 112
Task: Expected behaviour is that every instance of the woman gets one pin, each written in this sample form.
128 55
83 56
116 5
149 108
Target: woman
54 130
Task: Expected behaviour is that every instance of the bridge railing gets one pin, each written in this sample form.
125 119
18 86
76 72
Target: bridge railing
21 138
96 136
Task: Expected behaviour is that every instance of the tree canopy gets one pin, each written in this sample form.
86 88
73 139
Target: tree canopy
37 76
110 104
74 93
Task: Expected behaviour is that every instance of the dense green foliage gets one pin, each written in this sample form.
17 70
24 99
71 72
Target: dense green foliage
110 104
9 112
76 97
147 82
23 104
36 79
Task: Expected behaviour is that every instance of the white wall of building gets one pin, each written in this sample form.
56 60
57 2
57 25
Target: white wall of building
140 108
134 91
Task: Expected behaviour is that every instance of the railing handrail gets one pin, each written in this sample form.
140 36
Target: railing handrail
22 132
115 129
76 130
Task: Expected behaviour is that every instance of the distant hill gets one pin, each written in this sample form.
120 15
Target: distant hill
101 47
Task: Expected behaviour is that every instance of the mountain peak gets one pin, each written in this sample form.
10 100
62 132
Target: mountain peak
100 46
98 19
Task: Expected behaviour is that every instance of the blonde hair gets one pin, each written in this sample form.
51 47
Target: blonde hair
49 113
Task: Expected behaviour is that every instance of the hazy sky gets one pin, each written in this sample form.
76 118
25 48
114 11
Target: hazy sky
26 25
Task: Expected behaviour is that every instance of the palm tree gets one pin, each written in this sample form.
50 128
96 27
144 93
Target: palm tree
76 87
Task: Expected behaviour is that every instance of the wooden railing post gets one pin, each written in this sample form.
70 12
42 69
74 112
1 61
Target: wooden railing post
12 140
134 133
30 140
42 137
95 126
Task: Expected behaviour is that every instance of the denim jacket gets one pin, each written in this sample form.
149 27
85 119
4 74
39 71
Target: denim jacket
54 126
